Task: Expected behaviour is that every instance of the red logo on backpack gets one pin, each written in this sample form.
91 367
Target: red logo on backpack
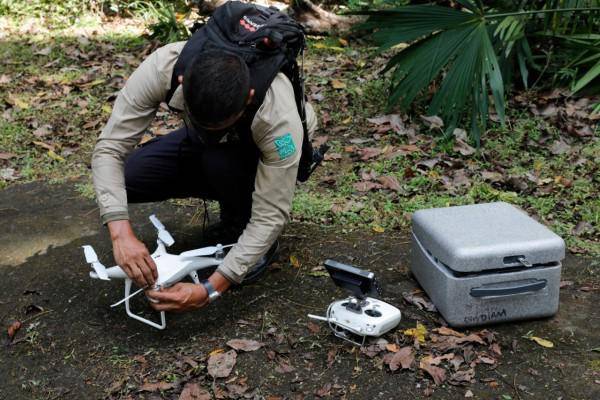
249 25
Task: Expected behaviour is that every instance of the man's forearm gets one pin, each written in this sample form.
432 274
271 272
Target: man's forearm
119 229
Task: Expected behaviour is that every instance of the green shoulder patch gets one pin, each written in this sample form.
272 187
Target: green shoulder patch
285 146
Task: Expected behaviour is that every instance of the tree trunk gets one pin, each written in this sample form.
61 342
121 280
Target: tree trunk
313 18
316 20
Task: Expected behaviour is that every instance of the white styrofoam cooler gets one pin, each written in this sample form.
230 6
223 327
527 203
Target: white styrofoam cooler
486 263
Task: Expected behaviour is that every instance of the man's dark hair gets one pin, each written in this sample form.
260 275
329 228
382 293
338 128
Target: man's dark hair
215 87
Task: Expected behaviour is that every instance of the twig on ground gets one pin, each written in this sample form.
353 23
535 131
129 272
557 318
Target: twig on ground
299 304
36 316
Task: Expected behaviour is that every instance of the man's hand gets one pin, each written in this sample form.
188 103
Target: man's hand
179 297
131 254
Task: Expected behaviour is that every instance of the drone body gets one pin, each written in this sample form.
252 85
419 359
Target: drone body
171 268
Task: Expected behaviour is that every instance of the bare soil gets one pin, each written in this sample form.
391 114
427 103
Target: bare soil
72 345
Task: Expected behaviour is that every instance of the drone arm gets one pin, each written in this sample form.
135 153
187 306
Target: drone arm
193 265
163 321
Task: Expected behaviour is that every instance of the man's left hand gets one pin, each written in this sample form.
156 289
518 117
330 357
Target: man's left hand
179 297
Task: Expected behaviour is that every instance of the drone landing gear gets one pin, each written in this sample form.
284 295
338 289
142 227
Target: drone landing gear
163 319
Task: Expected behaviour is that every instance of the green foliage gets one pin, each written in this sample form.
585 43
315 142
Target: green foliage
473 50
165 19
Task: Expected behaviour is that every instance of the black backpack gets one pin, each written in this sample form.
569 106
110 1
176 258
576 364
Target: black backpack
269 42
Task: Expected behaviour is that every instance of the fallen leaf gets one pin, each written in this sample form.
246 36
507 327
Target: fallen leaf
332 156
55 156
409 148
559 147
393 347
438 374
433 121
370 350
331 354
380 120
462 377
468 394
542 342
378 229
582 227
9 174
92 123
437 360
491 176
403 358
4 79
324 391
236 390
220 365
486 360
360 141
6 156
564 284
448 332
429 163
456 362
284 367
368 153
245 344
13 329
43 130
495 347
585 131
390 182
313 328
419 332
337 84
45 51
365 186
294 261
46 146
155 387
460 178
193 391
472 338
17 101
420 302
216 351
550 111
461 146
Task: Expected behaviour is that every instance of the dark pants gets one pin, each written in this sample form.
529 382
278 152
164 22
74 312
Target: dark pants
175 166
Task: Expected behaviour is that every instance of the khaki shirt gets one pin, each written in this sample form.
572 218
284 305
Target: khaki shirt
276 130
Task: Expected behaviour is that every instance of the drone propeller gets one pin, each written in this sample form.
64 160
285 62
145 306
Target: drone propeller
205 251
92 258
163 235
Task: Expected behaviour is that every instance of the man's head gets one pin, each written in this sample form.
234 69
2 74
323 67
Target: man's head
216 90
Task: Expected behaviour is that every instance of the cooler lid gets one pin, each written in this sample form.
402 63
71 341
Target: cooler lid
485 236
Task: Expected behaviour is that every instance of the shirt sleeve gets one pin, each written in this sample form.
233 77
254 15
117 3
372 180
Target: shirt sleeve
277 131
133 111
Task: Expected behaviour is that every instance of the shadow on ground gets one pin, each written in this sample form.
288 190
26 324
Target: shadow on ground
73 345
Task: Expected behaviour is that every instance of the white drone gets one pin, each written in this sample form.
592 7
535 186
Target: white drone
171 268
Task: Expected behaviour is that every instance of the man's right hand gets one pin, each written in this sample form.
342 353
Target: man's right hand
131 254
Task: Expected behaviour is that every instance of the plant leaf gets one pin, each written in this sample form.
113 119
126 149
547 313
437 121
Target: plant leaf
587 78
411 22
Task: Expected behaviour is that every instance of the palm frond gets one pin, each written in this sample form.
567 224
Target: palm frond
409 23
